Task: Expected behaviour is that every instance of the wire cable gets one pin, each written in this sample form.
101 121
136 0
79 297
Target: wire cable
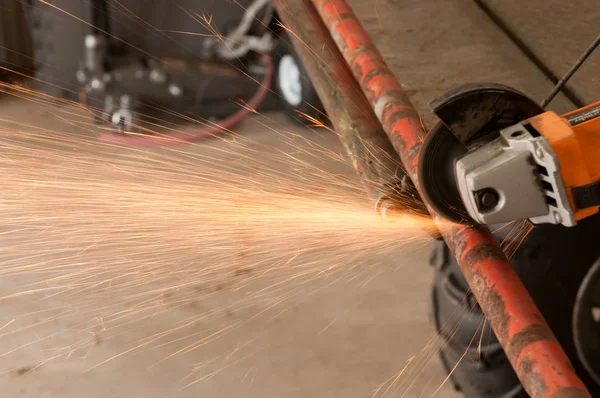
571 72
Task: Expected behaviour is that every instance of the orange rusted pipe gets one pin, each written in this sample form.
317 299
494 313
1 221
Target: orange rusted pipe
366 144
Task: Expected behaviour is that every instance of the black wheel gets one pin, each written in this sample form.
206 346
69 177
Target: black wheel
586 322
293 86
57 44
552 263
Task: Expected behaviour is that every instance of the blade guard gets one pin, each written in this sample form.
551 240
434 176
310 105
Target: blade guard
470 116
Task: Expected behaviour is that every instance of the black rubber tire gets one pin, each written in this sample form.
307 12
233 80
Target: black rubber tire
57 45
310 104
552 263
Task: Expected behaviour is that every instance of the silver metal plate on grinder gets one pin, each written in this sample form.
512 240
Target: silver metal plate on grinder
522 173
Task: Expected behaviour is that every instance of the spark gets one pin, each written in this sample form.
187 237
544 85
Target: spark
113 230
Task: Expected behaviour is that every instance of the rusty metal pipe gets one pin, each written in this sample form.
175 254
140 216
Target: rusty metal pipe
351 115
537 357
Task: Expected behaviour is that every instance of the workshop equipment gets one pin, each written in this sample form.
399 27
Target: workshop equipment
117 84
484 163
138 81
496 157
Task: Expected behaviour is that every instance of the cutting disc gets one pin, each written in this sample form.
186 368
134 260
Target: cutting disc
470 116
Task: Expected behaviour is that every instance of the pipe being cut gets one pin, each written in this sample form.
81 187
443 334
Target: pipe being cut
366 144
531 347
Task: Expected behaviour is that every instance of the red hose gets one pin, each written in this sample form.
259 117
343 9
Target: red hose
205 132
